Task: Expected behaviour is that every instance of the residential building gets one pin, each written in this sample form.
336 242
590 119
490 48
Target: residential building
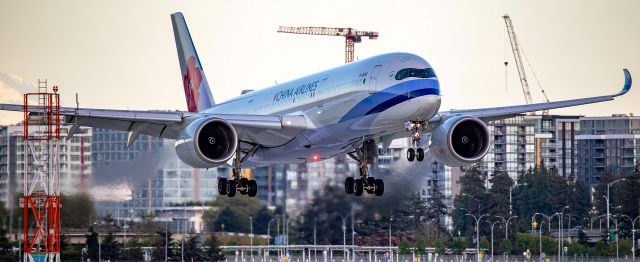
555 144
75 160
512 144
608 144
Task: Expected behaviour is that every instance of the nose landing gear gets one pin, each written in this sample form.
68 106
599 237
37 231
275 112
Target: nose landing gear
416 128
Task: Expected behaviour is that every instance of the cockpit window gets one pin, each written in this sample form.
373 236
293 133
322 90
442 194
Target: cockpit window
415 72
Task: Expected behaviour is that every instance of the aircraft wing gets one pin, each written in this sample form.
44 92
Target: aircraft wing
267 131
496 113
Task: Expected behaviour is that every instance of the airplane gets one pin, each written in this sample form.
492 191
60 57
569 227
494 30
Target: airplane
350 109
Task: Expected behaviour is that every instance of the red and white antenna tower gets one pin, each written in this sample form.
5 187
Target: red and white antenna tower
41 175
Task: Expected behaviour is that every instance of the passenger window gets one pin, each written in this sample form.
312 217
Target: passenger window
415 72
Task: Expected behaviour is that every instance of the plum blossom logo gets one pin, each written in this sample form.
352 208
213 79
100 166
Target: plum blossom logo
191 81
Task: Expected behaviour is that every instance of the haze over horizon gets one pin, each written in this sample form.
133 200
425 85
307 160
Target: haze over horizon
121 54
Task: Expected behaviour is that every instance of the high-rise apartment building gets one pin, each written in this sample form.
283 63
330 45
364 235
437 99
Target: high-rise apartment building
74 157
608 144
555 144
512 146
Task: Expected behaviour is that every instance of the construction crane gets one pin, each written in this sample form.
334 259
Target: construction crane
517 51
351 36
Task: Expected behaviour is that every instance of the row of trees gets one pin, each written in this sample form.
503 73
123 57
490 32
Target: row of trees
415 225
101 242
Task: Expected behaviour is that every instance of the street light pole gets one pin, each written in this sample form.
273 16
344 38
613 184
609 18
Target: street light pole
315 255
562 229
616 223
510 198
540 233
559 221
633 233
608 187
492 225
506 225
251 235
390 250
477 233
99 247
344 236
269 235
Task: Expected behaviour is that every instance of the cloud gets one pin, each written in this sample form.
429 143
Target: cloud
8 94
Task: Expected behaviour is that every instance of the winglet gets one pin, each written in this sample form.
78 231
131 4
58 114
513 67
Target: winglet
627 83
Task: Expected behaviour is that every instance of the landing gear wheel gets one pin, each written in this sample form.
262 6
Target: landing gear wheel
420 154
253 188
348 185
370 181
243 186
231 188
222 186
411 154
358 187
379 187
370 185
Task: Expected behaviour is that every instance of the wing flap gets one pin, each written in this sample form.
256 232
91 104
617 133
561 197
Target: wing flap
267 131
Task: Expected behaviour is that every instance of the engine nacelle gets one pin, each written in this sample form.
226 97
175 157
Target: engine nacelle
460 141
206 142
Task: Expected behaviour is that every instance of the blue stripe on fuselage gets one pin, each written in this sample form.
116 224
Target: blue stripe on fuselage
391 96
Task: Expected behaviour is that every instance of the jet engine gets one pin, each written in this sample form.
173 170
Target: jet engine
206 142
460 141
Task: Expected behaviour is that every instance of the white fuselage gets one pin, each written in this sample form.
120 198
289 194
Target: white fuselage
343 106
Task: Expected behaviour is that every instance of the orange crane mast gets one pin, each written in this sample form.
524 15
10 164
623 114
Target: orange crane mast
351 36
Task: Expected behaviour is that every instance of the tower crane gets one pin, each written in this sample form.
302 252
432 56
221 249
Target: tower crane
351 36
517 51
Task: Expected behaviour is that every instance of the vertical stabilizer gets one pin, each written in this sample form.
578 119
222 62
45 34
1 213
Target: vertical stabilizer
196 88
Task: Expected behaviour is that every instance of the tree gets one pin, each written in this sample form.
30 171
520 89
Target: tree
457 246
501 182
472 200
404 247
78 210
213 251
624 200
133 250
261 220
6 253
498 201
547 192
92 244
192 250
601 191
68 252
505 246
110 247
233 212
229 220
163 240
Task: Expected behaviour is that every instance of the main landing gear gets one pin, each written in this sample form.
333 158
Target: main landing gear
416 128
365 183
237 183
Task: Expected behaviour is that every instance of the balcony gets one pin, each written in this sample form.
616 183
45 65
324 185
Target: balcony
499 140
599 155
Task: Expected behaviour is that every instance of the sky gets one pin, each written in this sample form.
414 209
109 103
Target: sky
121 54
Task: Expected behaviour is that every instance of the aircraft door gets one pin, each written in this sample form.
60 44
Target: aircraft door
373 79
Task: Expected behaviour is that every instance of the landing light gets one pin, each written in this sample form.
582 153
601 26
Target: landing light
315 157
